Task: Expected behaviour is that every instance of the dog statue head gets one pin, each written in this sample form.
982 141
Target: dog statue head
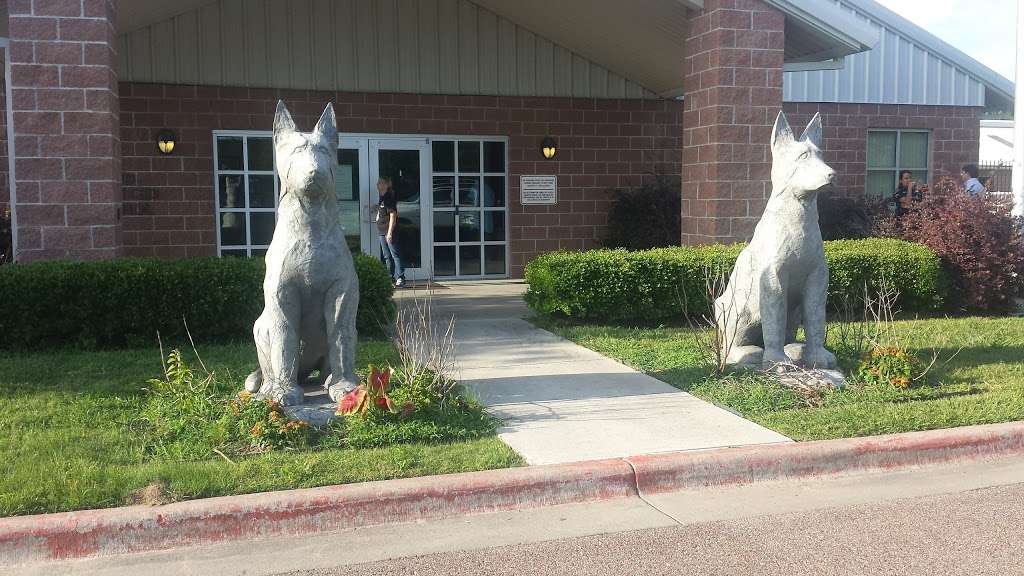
306 162
797 167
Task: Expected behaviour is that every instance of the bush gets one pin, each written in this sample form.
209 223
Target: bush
645 217
649 286
977 240
125 302
843 218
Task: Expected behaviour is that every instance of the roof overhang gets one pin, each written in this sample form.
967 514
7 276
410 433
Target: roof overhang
642 40
818 31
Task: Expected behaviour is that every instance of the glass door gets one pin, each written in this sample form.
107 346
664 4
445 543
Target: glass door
352 190
405 161
470 237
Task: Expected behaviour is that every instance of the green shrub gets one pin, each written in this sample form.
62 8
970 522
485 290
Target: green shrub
125 302
657 285
646 216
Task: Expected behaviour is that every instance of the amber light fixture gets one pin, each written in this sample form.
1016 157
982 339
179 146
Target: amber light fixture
165 141
548 147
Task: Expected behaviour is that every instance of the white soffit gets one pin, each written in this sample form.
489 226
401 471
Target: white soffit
818 31
134 14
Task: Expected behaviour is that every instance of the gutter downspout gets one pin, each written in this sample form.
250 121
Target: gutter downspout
9 105
1018 118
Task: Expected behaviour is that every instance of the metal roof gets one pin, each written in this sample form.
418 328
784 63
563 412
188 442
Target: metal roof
908 66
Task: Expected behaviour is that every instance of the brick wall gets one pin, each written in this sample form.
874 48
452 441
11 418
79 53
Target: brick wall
733 80
64 100
169 203
955 135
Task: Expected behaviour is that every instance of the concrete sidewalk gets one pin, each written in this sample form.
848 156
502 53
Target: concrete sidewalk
562 402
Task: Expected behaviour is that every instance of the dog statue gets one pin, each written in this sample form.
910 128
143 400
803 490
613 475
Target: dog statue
310 290
781 278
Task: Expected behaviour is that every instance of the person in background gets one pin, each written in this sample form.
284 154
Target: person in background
969 176
387 224
905 193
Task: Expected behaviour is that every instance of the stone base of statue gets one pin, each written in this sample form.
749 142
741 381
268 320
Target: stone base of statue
317 409
793 374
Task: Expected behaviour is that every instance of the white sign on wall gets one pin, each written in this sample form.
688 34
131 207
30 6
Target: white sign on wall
538 189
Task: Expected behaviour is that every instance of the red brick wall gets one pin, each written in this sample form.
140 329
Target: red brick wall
64 100
955 135
169 203
733 80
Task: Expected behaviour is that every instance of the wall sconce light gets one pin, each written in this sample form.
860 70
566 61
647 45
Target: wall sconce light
548 147
165 141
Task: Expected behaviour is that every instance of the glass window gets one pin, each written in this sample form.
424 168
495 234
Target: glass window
494 156
469 157
246 193
444 191
494 191
469 260
444 260
494 259
469 190
261 154
444 155
891 151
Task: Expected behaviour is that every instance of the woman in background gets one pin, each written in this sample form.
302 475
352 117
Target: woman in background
906 193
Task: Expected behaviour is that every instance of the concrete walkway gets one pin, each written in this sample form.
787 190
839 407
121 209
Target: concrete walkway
561 402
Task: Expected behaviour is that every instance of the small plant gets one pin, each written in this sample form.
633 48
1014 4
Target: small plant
890 365
260 425
373 395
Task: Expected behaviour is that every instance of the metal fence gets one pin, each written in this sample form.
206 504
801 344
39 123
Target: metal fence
999 173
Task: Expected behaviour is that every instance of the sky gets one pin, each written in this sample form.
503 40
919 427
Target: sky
983 29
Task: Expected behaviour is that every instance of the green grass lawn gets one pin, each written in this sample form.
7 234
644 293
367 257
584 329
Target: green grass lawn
67 441
978 378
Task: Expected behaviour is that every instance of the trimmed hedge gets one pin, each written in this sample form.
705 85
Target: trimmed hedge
652 285
125 302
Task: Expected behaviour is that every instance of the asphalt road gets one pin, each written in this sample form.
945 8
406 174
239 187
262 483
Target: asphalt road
972 533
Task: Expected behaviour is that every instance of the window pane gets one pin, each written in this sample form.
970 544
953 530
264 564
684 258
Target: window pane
494 191
444 260
494 226
494 259
444 155
232 229
469 156
229 153
444 190
346 189
494 156
232 195
469 191
234 253
261 154
261 191
259 252
262 227
914 150
881 184
469 260
469 226
444 227
881 149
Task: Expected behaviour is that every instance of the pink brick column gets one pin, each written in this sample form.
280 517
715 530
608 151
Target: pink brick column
66 129
733 82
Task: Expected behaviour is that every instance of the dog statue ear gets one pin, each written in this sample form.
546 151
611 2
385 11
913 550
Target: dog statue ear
326 128
782 132
813 131
283 123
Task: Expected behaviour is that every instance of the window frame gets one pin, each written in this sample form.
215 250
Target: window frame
247 210
927 169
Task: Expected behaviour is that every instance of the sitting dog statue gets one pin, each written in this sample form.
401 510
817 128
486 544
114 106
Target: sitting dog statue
311 291
781 278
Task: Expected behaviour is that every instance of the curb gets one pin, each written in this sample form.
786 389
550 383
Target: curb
90 533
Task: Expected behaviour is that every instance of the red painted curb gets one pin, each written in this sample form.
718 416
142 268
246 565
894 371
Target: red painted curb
684 470
88 533
294 512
